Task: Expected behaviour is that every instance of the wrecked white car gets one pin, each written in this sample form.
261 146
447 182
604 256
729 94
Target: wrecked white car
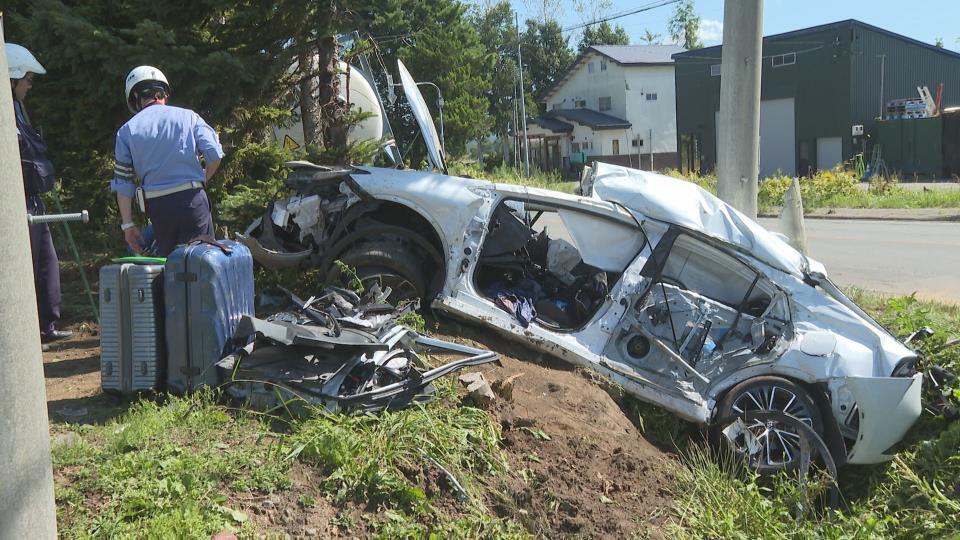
647 280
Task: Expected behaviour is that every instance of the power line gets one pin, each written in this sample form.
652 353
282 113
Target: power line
641 9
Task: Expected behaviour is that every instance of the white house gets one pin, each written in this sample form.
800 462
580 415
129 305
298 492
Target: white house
616 103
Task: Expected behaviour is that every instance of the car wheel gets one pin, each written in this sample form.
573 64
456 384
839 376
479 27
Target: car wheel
388 265
780 444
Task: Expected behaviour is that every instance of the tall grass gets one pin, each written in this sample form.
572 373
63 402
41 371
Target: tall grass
505 174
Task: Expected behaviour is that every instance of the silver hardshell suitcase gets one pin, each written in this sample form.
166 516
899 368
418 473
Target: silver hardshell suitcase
132 355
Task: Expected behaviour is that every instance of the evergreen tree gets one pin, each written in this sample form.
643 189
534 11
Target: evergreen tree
546 56
684 26
603 34
498 33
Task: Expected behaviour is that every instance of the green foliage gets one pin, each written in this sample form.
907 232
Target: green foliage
170 470
441 46
684 25
165 470
498 34
815 191
505 174
706 181
383 459
603 34
547 52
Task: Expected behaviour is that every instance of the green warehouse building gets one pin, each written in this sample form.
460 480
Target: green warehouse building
823 92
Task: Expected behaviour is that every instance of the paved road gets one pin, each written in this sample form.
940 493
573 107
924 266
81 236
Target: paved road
896 257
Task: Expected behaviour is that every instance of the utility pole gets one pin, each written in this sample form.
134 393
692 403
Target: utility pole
523 101
883 58
27 507
739 145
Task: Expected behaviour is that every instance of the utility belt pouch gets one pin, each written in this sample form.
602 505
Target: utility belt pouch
141 200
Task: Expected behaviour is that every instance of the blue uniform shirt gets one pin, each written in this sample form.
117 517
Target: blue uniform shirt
160 145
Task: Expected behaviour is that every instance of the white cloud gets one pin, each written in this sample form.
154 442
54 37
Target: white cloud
711 31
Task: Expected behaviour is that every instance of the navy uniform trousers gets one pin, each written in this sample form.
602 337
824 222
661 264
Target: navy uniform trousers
46 269
179 218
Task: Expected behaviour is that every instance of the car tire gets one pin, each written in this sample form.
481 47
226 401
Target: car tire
389 264
770 393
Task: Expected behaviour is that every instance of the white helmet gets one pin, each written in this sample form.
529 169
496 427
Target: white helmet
20 61
140 77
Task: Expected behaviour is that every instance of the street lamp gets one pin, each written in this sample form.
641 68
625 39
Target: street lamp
392 98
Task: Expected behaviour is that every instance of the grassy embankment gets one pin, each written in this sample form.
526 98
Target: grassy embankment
183 469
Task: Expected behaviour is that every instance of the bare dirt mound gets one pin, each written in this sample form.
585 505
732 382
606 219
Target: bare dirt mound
579 466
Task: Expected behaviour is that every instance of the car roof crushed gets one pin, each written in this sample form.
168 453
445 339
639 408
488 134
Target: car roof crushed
686 204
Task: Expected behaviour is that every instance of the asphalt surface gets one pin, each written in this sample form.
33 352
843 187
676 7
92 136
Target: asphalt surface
896 257
893 257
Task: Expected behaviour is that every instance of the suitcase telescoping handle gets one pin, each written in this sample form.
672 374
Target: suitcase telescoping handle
227 250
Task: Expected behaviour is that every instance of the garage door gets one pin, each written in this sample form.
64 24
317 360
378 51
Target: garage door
778 148
829 152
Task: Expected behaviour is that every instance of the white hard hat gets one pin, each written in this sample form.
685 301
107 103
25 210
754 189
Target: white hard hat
138 75
20 61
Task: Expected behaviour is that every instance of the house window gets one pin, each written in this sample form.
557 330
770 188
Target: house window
715 70
635 142
605 103
616 147
575 147
555 106
603 65
580 103
638 142
652 97
589 67
781 60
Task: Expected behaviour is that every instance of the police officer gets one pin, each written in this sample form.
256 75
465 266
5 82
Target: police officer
38 177
160 146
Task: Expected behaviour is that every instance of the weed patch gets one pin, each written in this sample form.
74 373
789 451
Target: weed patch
508 175
165 468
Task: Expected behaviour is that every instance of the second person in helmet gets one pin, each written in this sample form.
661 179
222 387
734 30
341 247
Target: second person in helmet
160 145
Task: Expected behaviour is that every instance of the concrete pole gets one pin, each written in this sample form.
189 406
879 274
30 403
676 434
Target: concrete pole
738 162
791 217
27 508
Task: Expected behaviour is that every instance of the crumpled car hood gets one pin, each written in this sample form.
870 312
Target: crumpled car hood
688 205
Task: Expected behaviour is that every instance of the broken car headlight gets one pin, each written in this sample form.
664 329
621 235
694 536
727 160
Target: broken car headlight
906 367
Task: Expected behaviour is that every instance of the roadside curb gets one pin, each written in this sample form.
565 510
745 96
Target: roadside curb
869 214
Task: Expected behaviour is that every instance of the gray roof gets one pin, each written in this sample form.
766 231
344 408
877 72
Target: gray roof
626 55
639 54
546 122
848 23
590 118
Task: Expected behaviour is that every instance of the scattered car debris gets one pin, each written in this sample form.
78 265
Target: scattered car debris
339 351
478 388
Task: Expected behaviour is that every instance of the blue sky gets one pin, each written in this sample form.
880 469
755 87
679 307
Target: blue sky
924 20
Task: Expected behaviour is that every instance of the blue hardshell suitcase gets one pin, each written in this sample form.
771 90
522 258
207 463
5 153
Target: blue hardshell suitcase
131 327
208 286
